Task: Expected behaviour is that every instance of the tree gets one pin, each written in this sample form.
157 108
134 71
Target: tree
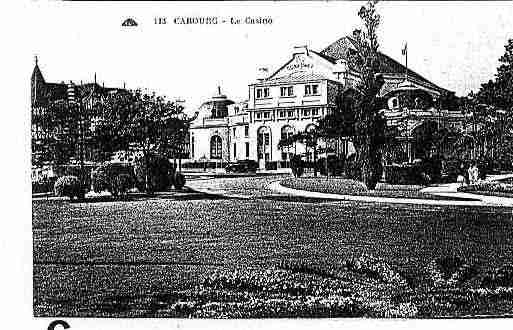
142 122
310 138
499 92
359 117
59 124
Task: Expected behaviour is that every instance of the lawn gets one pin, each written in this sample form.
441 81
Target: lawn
342 186
267 257
503 188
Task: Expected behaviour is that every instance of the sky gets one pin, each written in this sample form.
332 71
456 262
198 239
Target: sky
454 44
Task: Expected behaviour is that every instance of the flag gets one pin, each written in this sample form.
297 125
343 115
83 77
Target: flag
404 51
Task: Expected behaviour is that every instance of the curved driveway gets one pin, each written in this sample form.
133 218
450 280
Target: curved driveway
268 186
239 187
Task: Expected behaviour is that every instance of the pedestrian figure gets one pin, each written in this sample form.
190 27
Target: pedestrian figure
463 174
473 173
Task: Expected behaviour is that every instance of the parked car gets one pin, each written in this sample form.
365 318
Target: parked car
242 166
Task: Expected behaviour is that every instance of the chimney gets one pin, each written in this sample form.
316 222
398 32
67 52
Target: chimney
262 74
301 50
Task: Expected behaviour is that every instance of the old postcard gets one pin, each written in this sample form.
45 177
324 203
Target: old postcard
307 161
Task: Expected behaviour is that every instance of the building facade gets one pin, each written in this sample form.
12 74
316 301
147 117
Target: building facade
305 89
62 111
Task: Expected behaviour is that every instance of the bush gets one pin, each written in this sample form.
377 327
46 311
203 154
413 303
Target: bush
115 178
500 277
450 271
407 174
161 173
122 183
297 166
44 186
179 180
352 168
335 165
68 186
487 186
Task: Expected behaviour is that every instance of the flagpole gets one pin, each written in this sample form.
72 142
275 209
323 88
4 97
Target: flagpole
406 54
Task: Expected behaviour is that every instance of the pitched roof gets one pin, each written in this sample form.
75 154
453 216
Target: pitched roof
341 48
43 92
297 77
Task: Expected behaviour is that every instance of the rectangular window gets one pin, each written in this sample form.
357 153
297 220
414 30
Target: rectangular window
258 115
247 149
287 91
315 112
312 89
266 115
234 150
246 131
290 113
234 131
306 112
282 113
262 93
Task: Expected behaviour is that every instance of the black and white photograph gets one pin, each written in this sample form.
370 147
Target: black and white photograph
269 160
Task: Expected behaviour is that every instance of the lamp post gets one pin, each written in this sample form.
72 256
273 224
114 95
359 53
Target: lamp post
179 101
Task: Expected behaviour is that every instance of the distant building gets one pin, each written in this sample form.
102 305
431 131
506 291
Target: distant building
302 91
71 97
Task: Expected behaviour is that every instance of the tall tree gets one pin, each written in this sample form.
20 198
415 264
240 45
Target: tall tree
492 108
142 122
58 124
361 117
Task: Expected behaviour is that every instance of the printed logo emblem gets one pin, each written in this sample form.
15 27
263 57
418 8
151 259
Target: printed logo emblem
129 22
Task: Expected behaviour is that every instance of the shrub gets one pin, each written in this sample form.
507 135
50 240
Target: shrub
376 269
43 186
335 165
112 177
450 271
160 172
297 166
179 180
69 186
488 186
122 183
407 174
500 277
352 168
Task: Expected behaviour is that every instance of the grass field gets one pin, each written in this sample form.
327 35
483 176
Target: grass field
342 186
165 257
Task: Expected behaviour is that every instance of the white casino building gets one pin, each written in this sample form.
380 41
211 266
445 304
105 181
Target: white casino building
300 92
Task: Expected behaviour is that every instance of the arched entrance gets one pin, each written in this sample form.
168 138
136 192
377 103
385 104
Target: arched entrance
287 152
216 147
263 146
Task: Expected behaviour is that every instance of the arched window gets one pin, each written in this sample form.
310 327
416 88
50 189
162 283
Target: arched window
264 143
216 147
393 103
310 128
286 132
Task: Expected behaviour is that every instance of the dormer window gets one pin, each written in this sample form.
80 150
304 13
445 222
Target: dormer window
393 103
286 91
312 89
262 93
